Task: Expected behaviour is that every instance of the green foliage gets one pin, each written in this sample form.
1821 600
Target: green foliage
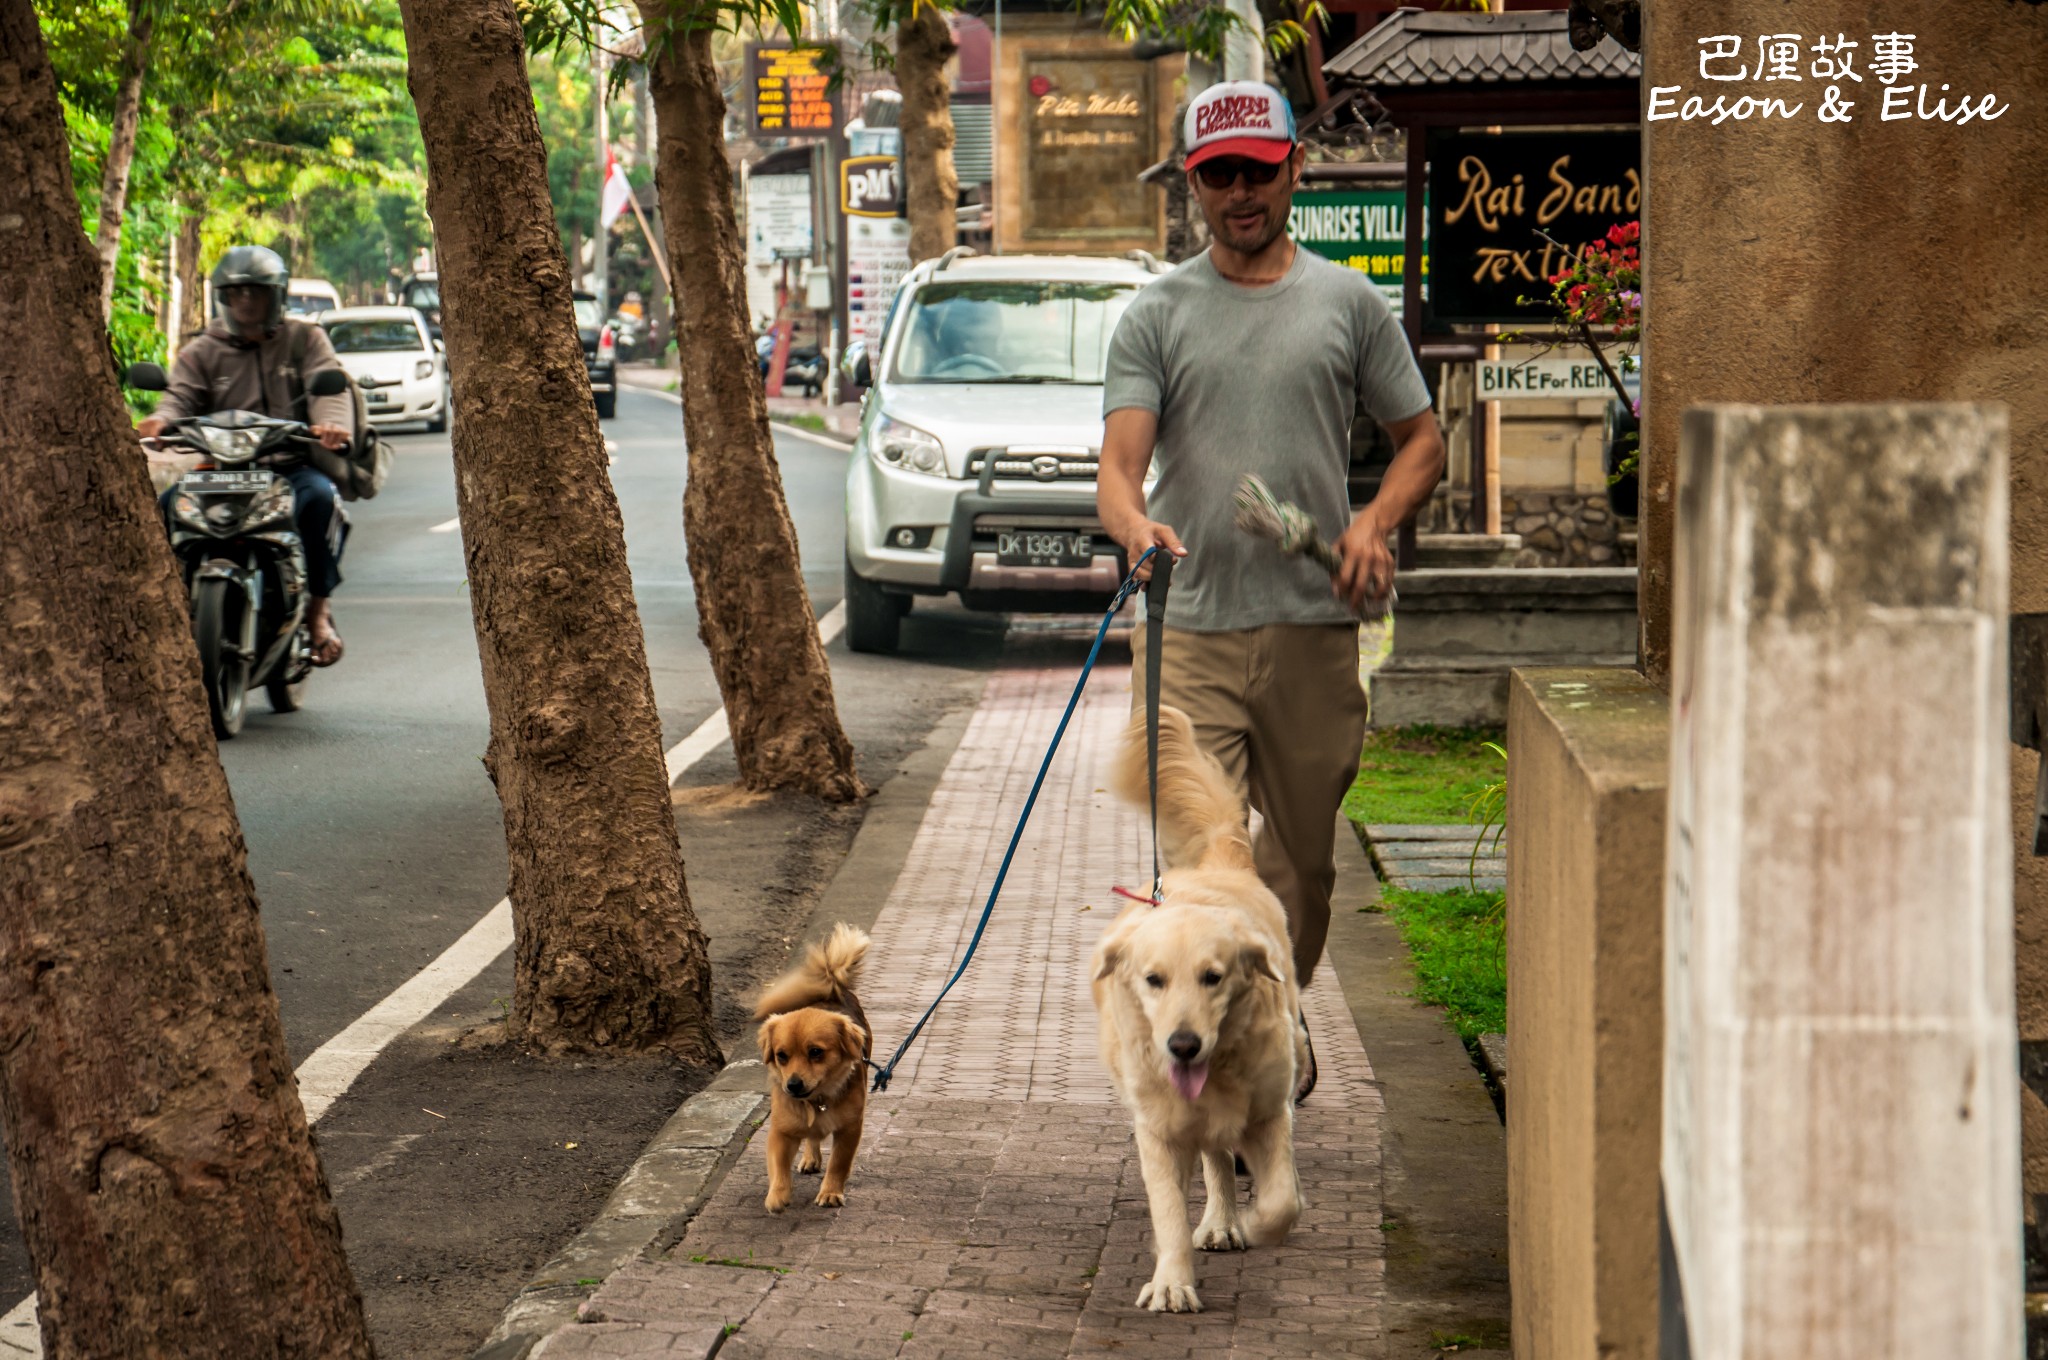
1422 775
1458 941
277 122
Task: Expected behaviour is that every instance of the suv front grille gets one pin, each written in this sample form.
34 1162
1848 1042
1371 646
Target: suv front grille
1069 463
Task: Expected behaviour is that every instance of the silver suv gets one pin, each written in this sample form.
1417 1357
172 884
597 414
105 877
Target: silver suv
974 468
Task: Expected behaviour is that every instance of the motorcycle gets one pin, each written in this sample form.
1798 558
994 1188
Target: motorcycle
239 554
804 369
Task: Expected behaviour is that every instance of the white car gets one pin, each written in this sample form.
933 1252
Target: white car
310 297
974 467
402 371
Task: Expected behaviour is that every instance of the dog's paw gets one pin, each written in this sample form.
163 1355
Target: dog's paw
809 1165
776 1201
830 1199
1220 1237
1170 1296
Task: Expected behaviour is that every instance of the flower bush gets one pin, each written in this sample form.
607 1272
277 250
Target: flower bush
1603 285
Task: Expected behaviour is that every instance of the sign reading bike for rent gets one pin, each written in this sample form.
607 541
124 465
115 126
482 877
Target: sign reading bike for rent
1554 379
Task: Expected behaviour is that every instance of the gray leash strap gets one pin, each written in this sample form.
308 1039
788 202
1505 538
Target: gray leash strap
1155 640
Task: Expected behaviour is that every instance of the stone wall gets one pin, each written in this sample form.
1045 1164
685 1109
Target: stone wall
1561 529
1558 528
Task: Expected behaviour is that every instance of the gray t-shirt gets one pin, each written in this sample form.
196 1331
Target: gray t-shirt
1261 380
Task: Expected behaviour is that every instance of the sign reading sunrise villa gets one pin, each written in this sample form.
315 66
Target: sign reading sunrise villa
1362 229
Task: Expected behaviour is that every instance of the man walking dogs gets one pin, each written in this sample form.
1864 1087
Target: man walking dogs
1252 357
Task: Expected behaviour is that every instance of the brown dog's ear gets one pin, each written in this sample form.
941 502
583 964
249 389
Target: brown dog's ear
856 1037
1108 955
1258 959
767 1032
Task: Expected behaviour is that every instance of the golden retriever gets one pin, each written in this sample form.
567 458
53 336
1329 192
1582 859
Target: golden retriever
1197 1006
814 1038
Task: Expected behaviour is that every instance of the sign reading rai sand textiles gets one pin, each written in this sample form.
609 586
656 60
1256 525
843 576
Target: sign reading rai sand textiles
790 92
1362 229
1507 211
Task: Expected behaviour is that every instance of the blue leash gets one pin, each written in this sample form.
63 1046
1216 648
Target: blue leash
1123 593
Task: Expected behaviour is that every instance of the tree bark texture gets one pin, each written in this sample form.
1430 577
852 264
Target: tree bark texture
121 150
163 1172
609 955
191 276
924 44
753 612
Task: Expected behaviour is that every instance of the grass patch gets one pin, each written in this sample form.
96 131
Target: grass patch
804 420
1459 943
1409 776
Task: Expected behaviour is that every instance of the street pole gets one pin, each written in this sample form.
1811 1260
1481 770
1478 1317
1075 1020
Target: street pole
1244 46
600 262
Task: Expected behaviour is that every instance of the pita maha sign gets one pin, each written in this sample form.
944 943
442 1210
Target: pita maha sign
791 92
1552 379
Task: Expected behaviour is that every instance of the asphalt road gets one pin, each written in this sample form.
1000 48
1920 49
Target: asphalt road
374 835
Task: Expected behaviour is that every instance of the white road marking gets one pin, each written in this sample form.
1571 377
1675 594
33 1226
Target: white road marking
450 527
326 1076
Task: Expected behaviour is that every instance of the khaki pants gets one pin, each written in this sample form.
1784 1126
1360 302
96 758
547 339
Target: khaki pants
1282 710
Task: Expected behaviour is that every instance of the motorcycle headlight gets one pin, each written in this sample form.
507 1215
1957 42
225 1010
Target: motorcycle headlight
423 369
274 503
233 446
187 510
897 445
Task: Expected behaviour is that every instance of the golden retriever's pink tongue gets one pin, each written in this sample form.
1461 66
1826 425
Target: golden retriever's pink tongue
1188 1078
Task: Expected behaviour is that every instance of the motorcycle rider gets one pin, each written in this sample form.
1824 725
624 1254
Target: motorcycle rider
242 362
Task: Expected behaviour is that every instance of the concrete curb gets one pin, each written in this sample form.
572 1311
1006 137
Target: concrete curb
670 1181
677 1173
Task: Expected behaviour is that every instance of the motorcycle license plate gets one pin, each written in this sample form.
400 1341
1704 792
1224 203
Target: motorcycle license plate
1040 548
229 481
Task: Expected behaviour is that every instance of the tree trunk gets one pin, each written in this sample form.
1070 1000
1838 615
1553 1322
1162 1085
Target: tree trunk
924 44
121 150
753 612
163 1173
191 278
609 955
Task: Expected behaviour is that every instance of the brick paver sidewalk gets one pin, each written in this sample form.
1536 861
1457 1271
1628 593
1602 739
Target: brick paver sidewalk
996 1206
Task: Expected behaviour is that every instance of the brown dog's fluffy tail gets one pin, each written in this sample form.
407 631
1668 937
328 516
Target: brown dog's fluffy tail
829 972
1201 820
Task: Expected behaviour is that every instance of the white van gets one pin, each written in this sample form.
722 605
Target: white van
310 297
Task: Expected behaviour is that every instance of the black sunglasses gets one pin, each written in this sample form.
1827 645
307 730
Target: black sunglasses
1222 172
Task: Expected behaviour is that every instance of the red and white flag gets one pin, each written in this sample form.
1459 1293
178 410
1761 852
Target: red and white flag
616 192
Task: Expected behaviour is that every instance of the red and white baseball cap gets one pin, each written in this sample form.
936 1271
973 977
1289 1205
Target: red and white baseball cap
1239 118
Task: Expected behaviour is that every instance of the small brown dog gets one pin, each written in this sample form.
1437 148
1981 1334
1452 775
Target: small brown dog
814 1038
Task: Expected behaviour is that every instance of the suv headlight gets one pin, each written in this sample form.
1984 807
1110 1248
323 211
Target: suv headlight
897 445
230 445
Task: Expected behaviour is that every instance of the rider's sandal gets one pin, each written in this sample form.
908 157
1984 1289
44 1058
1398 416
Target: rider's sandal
339 648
